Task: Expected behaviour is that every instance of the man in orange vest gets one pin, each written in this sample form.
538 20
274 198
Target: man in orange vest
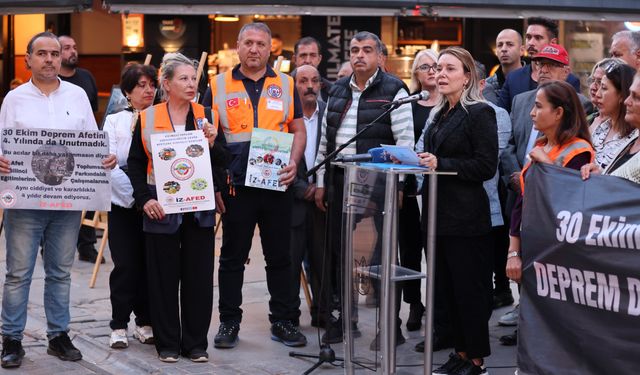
253 95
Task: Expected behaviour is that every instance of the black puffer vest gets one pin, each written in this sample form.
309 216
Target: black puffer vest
382 90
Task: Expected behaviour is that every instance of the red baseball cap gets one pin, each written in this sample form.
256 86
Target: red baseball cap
553 52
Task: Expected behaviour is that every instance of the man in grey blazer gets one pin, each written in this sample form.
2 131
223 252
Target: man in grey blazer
553 65
553 62
307 221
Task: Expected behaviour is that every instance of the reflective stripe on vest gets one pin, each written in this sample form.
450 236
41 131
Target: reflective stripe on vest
158 117
562 155
234 107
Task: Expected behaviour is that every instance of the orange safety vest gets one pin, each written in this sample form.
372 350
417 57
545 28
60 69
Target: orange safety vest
235 110
158 117
562 155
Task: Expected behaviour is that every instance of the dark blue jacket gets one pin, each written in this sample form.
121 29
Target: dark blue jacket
519 81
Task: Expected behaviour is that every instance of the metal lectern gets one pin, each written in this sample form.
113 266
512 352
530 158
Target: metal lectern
369 249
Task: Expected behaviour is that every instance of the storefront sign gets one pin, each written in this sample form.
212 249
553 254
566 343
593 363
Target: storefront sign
182 168
334 34
585 50
55 170
133 30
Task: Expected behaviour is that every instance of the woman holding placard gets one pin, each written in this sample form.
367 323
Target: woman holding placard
180 247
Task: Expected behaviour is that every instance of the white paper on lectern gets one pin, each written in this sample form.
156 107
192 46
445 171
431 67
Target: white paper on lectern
404 154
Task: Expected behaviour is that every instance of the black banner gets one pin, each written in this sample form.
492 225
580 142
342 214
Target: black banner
580 302
334 34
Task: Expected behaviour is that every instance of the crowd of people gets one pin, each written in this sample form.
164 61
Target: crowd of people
487 130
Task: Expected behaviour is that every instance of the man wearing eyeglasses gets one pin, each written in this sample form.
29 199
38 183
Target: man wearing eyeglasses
540 32
551 64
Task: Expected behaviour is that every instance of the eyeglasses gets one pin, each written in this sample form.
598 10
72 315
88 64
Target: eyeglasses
548 64
427 67
591 80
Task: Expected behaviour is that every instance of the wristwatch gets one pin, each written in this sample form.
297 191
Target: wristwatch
512 254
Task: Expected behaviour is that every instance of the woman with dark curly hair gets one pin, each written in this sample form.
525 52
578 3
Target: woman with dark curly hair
128 279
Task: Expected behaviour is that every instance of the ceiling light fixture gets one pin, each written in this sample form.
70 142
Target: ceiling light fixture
223 18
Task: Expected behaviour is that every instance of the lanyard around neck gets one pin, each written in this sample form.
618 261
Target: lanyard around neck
185 121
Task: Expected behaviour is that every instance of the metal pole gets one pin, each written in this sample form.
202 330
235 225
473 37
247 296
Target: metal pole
347 272
393 260
431 268
386 304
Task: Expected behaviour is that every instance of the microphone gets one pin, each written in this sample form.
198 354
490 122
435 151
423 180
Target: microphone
424 95
374 155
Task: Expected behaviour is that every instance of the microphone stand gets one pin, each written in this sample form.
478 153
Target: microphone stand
327 354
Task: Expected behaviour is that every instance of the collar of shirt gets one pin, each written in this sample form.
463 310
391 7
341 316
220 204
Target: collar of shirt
314 114
37 90
237 74
354 86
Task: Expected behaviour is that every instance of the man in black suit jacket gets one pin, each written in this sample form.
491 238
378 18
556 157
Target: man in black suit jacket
307 221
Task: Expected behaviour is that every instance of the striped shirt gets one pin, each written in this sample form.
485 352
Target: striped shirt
401 125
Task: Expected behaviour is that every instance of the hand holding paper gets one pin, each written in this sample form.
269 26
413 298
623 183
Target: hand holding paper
404 155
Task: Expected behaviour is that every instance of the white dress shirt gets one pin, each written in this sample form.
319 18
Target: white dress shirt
311 124
118 126
67 107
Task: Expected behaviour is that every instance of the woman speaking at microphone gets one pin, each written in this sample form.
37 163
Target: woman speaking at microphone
179 246
462 138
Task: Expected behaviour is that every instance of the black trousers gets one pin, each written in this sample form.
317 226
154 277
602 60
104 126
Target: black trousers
307 240
271 211
500 248
128 279
335 258
180 265
410 243
463 274
87 236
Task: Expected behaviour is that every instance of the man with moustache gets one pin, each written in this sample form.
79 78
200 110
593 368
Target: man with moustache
540 32
509 49
355 101
70 72
253 95
307 224
68 109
